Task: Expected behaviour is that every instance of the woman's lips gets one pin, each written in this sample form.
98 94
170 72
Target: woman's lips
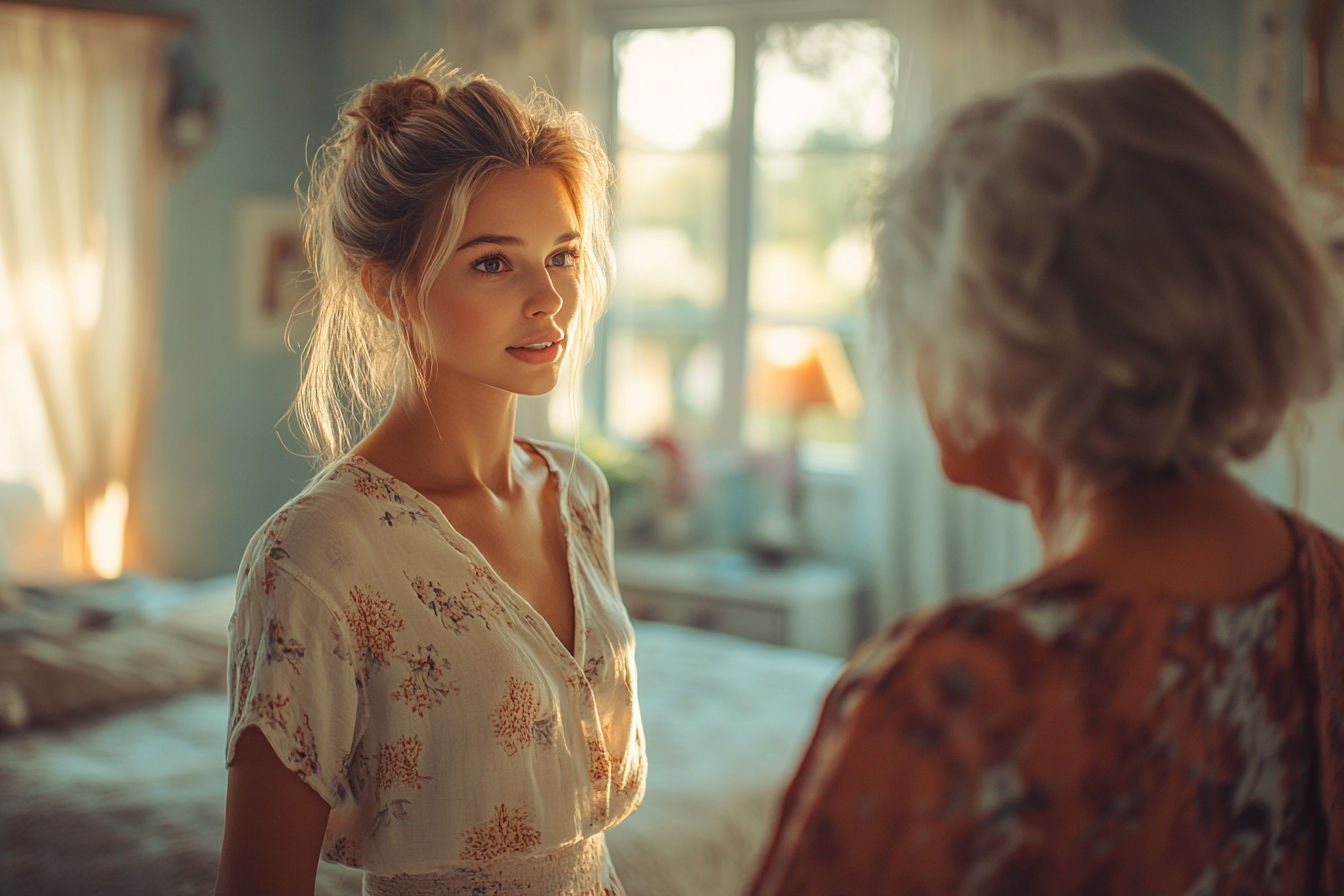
533 355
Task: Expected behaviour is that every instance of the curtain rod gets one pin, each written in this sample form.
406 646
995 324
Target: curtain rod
178 21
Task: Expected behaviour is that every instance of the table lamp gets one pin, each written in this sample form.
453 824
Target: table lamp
800 369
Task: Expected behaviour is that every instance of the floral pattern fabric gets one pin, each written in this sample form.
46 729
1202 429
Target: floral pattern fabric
1067 738
451 732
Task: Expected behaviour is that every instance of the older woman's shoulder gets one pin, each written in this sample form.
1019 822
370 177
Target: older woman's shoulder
1052 618
1317 547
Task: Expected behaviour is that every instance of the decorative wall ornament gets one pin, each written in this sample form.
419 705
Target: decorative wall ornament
1315 168
1262 82
1323 76
271 274
192 109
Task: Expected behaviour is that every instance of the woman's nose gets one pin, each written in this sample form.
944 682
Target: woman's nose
545 300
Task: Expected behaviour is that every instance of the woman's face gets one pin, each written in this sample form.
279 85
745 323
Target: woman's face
499 312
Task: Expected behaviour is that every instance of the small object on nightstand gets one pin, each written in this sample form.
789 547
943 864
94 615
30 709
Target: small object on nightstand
809 604
775 538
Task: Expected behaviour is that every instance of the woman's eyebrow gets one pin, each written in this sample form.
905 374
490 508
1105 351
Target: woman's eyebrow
495 239
492 239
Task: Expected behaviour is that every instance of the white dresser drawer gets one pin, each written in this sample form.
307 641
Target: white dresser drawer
759 622
808 605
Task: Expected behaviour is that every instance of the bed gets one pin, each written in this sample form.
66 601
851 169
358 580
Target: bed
112 777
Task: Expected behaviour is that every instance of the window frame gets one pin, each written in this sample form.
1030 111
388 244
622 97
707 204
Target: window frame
745 20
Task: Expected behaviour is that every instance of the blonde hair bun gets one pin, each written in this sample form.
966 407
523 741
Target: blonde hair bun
387 104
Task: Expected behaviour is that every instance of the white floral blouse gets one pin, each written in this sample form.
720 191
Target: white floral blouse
451 732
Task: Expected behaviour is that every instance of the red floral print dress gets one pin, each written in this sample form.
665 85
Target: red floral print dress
1069 738
460 745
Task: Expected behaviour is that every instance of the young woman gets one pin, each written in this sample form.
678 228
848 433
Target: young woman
432 671
1105 298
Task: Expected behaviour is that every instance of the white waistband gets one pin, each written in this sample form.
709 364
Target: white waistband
582 869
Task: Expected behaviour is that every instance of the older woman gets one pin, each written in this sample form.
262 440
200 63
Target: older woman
1105 298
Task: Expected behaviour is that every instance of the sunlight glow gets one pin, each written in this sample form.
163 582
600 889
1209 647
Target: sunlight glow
702 379
788 346
47 302
849 261
675 85
832 80
9 313
640 387
659 264
106 530
86 278
26 452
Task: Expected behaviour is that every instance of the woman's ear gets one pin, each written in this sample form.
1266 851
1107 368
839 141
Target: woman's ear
991 462
375 280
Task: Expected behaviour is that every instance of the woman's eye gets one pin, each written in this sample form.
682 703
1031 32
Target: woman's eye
563 260
492 265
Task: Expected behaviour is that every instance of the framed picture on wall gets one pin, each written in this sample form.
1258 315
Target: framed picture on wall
1323 72
271 274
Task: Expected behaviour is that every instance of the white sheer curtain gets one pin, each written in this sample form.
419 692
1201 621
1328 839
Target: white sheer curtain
930 540
81 95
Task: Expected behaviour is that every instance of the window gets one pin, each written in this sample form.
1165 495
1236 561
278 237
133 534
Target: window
743 152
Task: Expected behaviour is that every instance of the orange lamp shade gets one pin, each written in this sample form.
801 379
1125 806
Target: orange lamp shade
802 367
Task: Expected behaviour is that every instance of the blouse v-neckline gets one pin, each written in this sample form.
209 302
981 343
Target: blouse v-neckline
523 605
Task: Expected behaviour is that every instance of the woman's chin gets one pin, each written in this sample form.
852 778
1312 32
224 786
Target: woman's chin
541 385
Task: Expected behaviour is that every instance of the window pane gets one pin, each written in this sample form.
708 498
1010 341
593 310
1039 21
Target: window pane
671 237
810 255
674 88
660 380
824 86
823 110
674 99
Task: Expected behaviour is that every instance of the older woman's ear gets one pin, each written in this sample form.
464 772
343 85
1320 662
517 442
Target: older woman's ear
1000 462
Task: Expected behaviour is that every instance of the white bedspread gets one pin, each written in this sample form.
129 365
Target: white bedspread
725 720
133 803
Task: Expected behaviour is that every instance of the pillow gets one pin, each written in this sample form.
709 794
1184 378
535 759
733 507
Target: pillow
81 657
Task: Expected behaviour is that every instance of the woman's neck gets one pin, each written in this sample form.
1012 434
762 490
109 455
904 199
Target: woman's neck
1205 537
445 441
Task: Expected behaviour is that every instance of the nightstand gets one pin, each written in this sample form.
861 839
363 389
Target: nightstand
809 604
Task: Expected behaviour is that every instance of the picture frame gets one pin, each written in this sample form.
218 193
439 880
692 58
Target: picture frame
271 274
1323 77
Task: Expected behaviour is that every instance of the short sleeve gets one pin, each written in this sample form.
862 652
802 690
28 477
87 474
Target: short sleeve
290 675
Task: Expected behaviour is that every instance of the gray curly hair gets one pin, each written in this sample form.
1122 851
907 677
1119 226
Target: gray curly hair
1106 267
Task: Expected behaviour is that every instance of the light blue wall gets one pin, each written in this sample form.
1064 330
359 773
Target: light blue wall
215 467
214 464
1202 37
